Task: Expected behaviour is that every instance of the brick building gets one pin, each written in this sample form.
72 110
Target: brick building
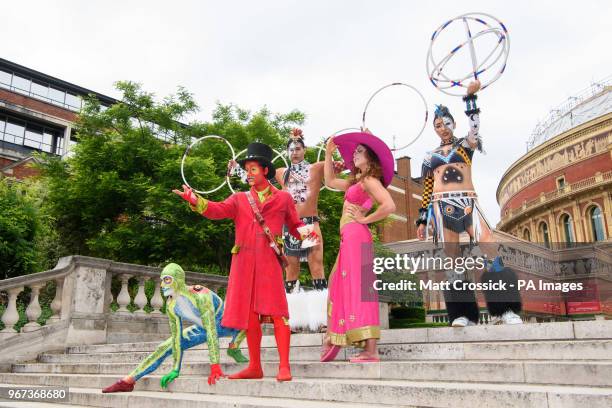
560 192
406 193
37 113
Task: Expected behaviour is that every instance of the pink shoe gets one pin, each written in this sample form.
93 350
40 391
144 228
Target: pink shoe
330 353
364 360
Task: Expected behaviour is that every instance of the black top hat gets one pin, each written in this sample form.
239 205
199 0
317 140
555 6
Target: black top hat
261 153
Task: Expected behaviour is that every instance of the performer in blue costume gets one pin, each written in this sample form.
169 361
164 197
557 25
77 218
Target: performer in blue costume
186 304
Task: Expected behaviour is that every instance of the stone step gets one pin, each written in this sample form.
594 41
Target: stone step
579 330
521 350
354 391
32 404
92 397
588 373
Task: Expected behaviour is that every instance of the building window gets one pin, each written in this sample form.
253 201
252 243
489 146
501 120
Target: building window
568 231
596 223
30 134
5 79
40 90
561 182
544 234
526 235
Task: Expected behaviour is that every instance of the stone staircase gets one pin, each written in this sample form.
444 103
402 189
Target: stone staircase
565 364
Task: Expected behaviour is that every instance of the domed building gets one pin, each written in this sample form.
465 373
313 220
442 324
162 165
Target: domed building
560 192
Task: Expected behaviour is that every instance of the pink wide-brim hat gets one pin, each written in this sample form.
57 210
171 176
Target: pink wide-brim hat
347 143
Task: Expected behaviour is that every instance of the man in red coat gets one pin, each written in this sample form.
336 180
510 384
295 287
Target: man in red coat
255 287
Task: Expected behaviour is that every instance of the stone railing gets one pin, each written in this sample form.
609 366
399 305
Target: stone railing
81 308
546 199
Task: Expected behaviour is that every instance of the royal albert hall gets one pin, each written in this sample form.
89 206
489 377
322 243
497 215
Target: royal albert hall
560 192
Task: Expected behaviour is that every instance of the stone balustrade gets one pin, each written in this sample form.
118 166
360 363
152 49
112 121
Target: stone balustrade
84 298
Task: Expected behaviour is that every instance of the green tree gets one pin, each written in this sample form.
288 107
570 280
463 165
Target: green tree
20 226
113 198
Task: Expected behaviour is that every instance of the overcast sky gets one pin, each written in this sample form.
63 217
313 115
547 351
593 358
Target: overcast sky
322 57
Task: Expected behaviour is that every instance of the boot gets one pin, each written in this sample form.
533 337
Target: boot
253 336
282 333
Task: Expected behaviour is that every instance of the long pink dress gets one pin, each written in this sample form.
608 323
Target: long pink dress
353 303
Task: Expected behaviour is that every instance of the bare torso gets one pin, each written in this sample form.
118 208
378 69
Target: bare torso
452 176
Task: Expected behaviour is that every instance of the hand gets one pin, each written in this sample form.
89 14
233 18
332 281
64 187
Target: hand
168 378
421 232
215 374
187 194
473 87
356 213
339 167
295 132
330 146
366 130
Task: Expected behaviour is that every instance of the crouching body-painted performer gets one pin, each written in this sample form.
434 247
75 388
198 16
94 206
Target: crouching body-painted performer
255 287
450 207
186 304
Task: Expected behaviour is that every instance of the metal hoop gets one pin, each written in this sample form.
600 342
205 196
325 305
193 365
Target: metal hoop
321 148
279 155
363 117
187 152
434 70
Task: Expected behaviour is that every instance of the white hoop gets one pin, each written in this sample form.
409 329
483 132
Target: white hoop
279 155
187 152
321 147
434 70
363 117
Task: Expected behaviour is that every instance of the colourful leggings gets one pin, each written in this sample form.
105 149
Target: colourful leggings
192 336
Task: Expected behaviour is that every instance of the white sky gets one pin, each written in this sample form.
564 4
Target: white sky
322 57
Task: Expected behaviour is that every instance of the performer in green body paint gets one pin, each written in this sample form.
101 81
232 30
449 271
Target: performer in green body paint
186 304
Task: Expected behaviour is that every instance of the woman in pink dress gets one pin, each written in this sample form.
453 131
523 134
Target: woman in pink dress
353 318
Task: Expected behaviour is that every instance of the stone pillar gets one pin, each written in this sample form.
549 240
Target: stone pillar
56 305
83 301
606 211
157 301
10 316
67 133
124 296
141 299
578 230
33 310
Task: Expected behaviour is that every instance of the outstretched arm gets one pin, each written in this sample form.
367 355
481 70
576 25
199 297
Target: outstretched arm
207 208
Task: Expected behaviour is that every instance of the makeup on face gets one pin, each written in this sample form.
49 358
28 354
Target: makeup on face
255 173
359 155
296 152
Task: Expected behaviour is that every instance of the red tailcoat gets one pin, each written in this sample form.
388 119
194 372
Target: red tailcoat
255 274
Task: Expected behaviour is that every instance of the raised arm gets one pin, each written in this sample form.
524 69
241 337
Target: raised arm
473 113
330 175
280 175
